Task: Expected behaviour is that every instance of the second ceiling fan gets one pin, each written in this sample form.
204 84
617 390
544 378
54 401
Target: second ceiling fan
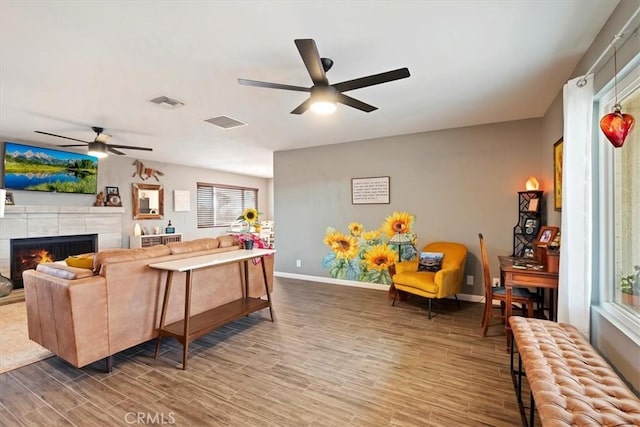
324 95
99 146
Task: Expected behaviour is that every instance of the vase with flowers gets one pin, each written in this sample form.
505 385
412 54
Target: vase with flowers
250 218
250 226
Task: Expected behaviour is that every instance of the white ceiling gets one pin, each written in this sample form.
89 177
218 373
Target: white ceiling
68 65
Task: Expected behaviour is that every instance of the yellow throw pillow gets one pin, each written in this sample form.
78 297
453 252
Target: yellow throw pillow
80 261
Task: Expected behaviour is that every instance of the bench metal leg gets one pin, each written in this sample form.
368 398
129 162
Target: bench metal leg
532 409
516 378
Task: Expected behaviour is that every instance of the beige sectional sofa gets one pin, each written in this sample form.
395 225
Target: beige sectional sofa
84 315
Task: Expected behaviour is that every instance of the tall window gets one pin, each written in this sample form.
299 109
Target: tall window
220 205
620 205
627 212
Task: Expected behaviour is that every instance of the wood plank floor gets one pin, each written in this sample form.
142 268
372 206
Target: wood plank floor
335 356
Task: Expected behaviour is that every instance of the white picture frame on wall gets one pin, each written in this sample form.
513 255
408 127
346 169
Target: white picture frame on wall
369 191
181 200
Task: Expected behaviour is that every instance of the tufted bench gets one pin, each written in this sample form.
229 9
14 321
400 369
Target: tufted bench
571 384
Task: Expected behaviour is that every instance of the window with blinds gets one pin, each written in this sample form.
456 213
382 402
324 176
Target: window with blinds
220 205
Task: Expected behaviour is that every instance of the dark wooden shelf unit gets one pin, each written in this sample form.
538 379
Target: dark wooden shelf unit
529 222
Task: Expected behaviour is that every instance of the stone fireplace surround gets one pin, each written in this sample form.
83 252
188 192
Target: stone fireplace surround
41 221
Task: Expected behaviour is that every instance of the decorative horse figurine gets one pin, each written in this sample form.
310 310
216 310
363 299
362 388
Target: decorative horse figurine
145 173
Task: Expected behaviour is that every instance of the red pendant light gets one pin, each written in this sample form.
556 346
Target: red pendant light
616 126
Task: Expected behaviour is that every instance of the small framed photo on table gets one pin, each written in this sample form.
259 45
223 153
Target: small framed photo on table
112 190
8 199
546 235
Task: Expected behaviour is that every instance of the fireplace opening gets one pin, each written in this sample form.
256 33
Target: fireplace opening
27 253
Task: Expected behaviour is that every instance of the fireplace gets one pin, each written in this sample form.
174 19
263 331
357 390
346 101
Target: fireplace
27 253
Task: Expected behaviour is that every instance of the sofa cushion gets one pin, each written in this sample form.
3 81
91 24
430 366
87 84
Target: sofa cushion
81 261
423 280
193 245
228 241
121 255
64 271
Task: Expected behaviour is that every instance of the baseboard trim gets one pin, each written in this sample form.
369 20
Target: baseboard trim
356 284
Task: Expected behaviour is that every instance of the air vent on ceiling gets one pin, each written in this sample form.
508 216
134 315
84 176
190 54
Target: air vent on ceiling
225 122
166 102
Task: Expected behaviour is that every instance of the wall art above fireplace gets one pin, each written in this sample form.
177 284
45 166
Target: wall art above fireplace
33 168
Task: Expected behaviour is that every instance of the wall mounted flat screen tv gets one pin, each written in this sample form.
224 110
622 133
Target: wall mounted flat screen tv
44 169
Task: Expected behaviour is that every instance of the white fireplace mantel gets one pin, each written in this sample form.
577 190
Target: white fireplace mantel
40 221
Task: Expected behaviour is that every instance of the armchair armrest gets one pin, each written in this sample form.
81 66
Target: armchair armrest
449 281
406 266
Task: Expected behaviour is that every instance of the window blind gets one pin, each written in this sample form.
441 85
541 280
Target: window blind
220 205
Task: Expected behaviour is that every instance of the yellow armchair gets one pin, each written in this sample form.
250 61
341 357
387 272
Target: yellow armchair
443 283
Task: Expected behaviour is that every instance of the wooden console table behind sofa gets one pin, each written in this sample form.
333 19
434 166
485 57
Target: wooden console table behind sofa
193 327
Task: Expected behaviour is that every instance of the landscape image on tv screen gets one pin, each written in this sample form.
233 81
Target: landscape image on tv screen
44 169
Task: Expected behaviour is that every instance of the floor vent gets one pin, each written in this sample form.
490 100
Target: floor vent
166 102
225 122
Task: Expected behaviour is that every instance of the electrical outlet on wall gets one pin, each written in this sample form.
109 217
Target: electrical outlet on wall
298 263
495 282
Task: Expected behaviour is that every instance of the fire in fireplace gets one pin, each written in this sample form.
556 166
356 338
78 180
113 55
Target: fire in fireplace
27 253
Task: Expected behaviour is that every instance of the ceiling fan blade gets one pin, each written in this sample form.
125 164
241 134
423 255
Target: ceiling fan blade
60 136
302 107
129 147
374 79
114 151
311 58
352 102
72 145
257 83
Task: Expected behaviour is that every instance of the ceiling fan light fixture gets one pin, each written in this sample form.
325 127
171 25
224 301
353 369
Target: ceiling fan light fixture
323 100
323 107
98 149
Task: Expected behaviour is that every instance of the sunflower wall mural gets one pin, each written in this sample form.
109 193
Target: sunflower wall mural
366 255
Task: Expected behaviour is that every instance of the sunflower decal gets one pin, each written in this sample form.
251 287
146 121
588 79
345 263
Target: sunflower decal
356 229
372 237
345 247
366 255
380 257
398 222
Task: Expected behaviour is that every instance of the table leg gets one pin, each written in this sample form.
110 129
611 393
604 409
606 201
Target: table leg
507 312
187 315
163 316
246 278
266 287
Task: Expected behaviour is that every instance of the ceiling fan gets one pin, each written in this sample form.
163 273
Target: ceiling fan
323 95
98 147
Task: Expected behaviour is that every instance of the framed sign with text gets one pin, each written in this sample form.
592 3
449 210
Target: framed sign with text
368 191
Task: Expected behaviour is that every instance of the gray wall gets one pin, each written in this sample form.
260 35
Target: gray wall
457 182
117 171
